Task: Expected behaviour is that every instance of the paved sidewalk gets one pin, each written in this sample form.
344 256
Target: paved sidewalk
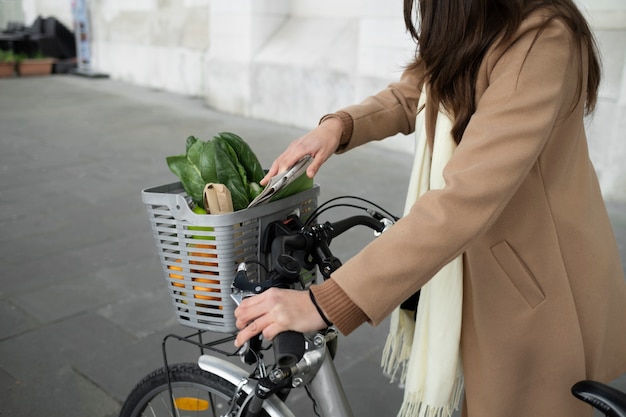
83 305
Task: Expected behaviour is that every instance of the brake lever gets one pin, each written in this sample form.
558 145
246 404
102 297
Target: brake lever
387 223
243 350
238 294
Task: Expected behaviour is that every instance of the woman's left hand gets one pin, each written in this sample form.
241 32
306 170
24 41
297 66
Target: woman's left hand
275 311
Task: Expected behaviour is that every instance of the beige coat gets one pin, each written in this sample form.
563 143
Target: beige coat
544 291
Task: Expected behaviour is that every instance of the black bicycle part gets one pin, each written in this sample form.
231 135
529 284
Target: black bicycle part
254 353
310 244
288 267
292 245
609 400
289 348
286 237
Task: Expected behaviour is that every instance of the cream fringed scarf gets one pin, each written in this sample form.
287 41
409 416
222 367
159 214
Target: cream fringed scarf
426 351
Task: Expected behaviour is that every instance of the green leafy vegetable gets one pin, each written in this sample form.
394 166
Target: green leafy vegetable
226 159
189 168
254 170
228 175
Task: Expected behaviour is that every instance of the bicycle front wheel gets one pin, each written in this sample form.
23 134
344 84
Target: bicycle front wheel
195 393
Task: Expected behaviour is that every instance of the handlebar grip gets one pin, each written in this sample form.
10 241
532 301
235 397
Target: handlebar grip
341 226
288 348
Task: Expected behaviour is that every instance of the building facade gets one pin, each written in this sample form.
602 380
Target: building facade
291 61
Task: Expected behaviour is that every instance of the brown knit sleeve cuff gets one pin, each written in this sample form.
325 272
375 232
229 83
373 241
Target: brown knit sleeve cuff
346 133
338 307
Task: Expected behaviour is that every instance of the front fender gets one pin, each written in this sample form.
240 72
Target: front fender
234 374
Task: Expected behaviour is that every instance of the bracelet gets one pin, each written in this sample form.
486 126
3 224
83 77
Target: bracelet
319 310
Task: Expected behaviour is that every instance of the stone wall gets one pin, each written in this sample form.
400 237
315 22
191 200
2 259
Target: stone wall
607 126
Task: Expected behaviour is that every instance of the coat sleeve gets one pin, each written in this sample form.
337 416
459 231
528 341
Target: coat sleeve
531 85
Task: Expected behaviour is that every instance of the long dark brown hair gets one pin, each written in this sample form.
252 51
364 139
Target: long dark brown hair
454 36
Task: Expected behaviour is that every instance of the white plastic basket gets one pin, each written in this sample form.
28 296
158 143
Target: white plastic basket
199 253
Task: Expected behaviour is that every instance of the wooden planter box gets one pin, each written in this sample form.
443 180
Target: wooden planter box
7 69
38 66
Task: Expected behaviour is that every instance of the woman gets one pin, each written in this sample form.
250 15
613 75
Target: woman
543 291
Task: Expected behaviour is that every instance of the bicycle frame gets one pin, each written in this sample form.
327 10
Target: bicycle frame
316 370
326 388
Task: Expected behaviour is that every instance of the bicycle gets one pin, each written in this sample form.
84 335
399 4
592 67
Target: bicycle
295 247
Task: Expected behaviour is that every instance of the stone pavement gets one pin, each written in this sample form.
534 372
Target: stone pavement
83 305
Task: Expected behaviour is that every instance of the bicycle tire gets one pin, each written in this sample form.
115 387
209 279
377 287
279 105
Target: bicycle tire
196 393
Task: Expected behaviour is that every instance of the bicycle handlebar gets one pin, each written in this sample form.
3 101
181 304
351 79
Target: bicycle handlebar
341 226
292 245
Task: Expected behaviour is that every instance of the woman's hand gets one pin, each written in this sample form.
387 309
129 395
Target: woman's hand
320 143
275 311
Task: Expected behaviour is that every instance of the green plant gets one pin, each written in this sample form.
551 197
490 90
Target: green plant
10 56
7 56
37 55
20 57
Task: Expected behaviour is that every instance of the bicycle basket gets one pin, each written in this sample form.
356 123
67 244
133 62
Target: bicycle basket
199 253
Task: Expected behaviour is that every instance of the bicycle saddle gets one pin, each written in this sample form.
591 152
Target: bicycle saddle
611 401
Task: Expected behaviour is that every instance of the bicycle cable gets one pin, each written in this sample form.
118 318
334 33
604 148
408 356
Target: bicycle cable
323 207
308 223
315 407
259 263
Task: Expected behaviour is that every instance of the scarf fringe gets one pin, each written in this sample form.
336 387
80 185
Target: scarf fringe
398 347
413 406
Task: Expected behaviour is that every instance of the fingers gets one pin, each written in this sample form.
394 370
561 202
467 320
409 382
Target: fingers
275 311
256 315
320 143
263 325
311 171
285 161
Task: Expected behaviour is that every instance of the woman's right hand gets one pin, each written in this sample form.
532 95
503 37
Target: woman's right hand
320 143
274 311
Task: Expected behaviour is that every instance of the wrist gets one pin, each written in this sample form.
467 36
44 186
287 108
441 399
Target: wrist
341 124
